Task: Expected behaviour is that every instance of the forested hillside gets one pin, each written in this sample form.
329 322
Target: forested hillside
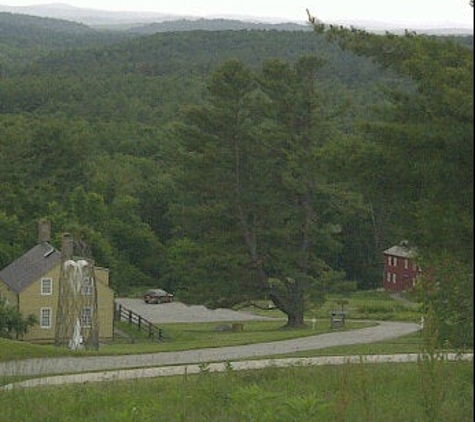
23 38
123 142
147 78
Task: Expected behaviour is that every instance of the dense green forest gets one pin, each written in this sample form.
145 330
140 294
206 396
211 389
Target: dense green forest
24 38
230 165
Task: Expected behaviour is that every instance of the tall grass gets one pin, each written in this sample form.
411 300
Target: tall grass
348 393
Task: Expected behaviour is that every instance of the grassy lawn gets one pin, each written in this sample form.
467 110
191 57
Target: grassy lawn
352 393
370 305
11 349
176 337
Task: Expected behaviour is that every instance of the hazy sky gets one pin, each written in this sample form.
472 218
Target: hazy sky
397 11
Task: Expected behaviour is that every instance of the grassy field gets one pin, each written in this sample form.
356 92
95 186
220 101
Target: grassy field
352 393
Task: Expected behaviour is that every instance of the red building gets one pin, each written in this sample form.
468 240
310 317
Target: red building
400 268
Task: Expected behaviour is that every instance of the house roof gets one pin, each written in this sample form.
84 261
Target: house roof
402 251
30 267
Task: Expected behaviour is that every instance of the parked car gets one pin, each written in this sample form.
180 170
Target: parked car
157 296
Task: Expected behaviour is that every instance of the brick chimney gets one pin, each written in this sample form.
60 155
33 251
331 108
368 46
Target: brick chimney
67 246
44 231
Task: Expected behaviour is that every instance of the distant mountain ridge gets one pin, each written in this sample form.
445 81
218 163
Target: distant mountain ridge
88 16
150 22
214 25
10 20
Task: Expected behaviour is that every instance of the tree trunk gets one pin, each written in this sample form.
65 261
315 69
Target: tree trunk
291 303
295 320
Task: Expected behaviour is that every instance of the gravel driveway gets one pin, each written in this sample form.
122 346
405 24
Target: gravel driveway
165 313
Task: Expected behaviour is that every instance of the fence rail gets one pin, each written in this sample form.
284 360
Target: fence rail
133 318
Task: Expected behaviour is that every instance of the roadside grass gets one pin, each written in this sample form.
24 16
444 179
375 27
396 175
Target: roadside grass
352 393
411 343
17 350
177 337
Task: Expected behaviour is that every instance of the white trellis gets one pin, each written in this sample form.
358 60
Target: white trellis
77 322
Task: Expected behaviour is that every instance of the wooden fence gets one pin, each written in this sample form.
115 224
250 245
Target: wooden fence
133 318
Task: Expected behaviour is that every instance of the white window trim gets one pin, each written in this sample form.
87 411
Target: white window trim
45 292
392 261
43 326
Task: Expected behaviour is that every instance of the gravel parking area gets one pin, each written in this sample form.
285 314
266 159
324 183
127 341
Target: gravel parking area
175 312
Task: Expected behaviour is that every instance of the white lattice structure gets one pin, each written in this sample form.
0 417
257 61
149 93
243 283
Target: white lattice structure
77 322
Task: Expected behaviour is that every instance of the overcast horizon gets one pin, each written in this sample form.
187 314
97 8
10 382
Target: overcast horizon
420 13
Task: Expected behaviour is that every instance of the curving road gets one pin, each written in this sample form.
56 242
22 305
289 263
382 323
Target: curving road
128 374
72 365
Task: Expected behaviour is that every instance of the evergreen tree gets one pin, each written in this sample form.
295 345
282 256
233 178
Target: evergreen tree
256 205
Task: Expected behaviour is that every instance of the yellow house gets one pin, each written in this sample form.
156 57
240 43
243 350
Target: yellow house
32 285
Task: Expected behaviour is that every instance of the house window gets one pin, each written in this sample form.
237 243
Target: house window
46 286
388 277
406 263
394 261
86 286
86 317
390 260
394 278
45 317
